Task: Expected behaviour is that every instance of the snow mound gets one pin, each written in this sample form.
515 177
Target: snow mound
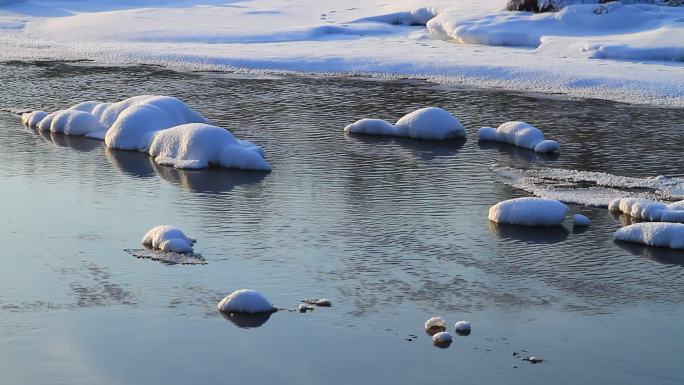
31 119
430 123
246 301
168 238
529 212
435 323
519 134
442 338
74 122
198 145
650 210
657 234
580 220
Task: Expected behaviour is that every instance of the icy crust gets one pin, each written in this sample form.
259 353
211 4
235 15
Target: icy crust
163 126
529 211
659 234
650 210
246 301
588 188
430 123
168 238
199 145
520 134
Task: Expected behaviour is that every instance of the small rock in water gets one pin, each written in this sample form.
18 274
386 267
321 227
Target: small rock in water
435 325
303 308
463 328
442 339
580 220
534 360
323 302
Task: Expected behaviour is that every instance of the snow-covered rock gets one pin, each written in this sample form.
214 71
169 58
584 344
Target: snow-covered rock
198 145
31 119
429 123
442 338
520 134
168 238
435 323
246 301
74 122
463 327
650 210
529 211
580 220
659 234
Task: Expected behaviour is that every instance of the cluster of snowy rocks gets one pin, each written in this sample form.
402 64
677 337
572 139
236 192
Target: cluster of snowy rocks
437 326
433 123
665 229
533 211
162 126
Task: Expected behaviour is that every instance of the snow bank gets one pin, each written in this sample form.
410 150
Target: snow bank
519 134
580 220
647 209
529 212
246 301
165 127
653 234
429 123
199 145
168 238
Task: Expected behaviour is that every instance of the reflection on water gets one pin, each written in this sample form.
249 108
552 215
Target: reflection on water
423 149
662 255
245 320
529 234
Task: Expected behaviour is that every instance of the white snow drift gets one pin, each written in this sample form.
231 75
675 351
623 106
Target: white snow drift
246 301
529 211
647 209
520 134
659 234
168 238
429 123
163 126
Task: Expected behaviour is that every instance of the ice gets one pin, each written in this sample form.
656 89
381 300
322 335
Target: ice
430 123
199 145
520 134
658 234
246 301
529 211
168 238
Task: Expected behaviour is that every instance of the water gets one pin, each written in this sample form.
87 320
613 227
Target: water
392 231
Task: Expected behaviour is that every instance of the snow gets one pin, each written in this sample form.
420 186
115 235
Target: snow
430 123
442 338
565 52
246 301
168 238
580 220
520 134
435 323
529 211
650 210
659 234
198 145
163 126
462 327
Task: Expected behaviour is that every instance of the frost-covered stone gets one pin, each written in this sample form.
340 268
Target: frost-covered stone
529 211
520 134
463 327
435 323
429 123
199 145
442 338
168 238
659 234
580 220
246 301
647 209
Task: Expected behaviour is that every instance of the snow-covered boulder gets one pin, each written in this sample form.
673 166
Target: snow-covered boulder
659 234
168 238
463 328
429 123
435 324
442 338
246 301
74 122
520 134
647 209
31 119
529 211
198 145
580 220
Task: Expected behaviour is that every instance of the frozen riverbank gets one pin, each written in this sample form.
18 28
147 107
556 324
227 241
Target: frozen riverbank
470 43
